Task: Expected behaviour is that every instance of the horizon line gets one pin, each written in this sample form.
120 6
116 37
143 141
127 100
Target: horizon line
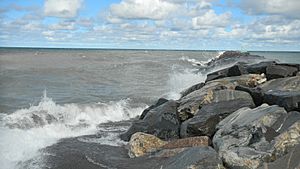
151 49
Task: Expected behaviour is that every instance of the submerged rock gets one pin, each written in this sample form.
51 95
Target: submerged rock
161 121
249 137
141 144
206 119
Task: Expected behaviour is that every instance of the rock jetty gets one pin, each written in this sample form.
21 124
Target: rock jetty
245 116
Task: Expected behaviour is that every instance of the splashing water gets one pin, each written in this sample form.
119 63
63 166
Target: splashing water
26 131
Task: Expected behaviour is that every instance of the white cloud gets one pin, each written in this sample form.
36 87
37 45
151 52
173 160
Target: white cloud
66 25
62 8
143 9
289 8
211 19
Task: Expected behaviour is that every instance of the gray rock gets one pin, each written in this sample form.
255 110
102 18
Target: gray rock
191 103
206 119
158 103
248 137
235 70
161 121
191 89
194 158
284 92
289 161
259 68
280 71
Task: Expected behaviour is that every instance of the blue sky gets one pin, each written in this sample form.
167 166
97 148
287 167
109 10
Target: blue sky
152 24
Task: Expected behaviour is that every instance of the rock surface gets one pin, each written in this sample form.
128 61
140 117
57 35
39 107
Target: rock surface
161 121
141 144
249 137
206 119
188 142
158 103
280 71
191 103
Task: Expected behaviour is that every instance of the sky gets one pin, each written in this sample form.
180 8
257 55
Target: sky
269 25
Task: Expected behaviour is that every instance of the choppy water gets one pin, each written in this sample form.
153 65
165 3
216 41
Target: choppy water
49 94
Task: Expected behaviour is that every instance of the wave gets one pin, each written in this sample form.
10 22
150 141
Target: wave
26 131
201 63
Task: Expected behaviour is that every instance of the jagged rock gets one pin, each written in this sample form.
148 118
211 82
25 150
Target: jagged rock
158 103
191 103
141 144
195 158
206 119
161 121
191 89
280 71
188 142
289 161
259 68
249 137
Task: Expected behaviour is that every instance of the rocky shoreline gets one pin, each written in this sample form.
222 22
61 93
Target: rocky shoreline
245 117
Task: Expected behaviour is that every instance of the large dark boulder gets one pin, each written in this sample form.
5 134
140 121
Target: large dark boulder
249 137
259 68
206 119
280 71
161 121
284 92
158 103
235 70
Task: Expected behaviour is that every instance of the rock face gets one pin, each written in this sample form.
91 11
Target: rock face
283 92
289 161
236 70
259 68
188 142
191 103
195 158
158 103
206 119
141 144
191 89
249 137
280 71
161 121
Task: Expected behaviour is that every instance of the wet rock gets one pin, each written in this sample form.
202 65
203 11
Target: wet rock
195 158
249 137
191 103
161 121
164 153
141 144
158 103
191 89
188 142
206 119
280 71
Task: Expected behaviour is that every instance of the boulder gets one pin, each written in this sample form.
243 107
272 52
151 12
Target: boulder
194 158
289 161
191 103
280 71
249 137
191 89
161 121
259 68
284 92
188 142
206 119
158 103
141 144
235 70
